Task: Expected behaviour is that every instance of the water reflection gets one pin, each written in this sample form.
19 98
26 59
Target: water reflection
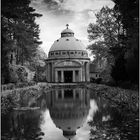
67 113
69 109
111 121
56 114
21 124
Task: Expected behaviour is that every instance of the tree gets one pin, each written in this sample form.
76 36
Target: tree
20 33
24 30
107 34
129 10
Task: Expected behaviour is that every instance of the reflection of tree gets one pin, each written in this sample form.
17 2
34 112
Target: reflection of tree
24 125
112 122
101 127
5 131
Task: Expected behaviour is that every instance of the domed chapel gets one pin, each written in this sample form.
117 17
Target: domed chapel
68 60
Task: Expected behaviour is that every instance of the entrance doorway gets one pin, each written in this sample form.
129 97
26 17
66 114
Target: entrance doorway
68 76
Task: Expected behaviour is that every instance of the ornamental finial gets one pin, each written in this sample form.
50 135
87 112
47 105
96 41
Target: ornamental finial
67 25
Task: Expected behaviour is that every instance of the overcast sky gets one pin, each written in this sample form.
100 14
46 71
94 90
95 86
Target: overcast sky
57 13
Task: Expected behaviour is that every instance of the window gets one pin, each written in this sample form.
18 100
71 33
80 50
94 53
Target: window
71 53
63 52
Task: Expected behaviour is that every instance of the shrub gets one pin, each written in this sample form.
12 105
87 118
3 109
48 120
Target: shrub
7 103
98 80
92 80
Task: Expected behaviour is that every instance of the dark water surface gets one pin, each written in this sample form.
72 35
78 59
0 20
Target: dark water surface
68 113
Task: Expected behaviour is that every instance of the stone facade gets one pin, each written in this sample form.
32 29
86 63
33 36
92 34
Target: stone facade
68 60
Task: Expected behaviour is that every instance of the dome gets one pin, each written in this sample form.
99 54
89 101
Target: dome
70 118
67 31
67 42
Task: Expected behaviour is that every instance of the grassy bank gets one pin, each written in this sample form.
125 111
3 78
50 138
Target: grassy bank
20 96
122 97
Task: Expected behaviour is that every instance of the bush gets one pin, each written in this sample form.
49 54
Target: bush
17 74
92 80
98 80
111 83
126 84
7 103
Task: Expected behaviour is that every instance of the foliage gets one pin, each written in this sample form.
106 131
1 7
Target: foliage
26 122
115 35
105 31
106 34
130 19
40 75
7 104
18 73
22 124
118 70
20 33
120 125
98 80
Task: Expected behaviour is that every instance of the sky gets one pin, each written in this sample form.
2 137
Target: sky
57 13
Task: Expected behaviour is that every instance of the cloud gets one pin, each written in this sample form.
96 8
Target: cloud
57 13
77 5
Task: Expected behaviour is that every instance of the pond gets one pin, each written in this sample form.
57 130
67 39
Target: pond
69 113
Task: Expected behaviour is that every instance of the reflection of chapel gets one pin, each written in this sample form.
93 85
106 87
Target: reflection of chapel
68 60
69 109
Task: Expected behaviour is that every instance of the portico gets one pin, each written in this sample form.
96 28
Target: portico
68 75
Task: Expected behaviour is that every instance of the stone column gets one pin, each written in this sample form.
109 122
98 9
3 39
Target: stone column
49 79
83 72
85 67
62 94
53 72
73 76
81 94
74 94
80 75
56 76
56 94
46 72
87 72
62 76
